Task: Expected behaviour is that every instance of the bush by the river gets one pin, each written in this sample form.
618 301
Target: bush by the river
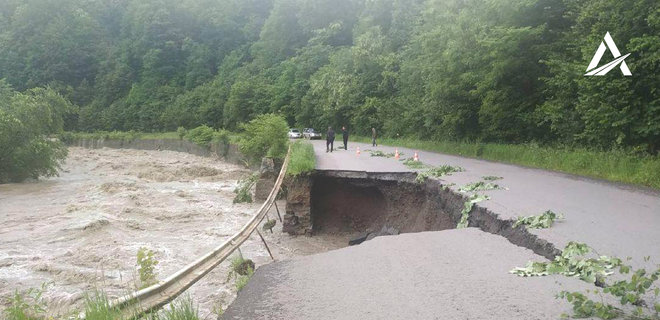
28 121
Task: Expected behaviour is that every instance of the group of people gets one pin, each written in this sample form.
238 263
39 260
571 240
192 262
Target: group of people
330 138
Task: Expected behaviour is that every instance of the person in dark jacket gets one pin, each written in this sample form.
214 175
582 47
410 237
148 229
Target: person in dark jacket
373 137
344 134
329 140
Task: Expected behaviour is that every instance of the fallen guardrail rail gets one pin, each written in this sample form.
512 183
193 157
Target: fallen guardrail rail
153 297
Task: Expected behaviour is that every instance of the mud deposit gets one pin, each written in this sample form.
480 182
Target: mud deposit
82 230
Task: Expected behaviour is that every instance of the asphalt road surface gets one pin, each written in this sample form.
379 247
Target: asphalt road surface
615 219
452 274
456 274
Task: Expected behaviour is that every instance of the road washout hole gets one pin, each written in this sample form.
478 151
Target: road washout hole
355 203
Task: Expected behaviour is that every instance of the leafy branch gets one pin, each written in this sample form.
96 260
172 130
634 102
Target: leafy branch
630 295
437 172
244 187
542 221
572 263
467 207
480 186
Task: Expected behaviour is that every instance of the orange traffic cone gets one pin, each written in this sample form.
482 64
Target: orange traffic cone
358 151
416 157
396 154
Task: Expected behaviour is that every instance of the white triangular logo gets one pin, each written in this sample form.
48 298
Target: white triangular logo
604 69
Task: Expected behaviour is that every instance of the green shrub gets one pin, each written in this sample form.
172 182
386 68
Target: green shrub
241 266
269 225
302 160
181 132
222 139
221 136
243 191
67 137
265 136
202 135
146 263
26 122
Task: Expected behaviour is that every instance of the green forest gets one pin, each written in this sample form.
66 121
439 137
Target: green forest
505 71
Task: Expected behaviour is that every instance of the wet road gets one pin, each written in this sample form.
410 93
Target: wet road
456 274
452 274
614 219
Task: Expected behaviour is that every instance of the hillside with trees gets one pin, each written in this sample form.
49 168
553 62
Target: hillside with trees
505 71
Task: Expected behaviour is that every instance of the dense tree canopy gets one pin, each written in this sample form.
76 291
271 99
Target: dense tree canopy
485 70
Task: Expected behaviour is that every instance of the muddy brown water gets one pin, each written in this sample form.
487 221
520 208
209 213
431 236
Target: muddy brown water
81 231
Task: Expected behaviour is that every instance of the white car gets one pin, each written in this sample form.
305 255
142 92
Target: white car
295 134
311 134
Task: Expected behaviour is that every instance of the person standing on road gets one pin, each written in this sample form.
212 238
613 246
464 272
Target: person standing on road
373 137
344 134
329 140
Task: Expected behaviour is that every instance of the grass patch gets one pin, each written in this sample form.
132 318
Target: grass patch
194 135
97 307
181 309
27 305
618 166
303 159
242 281
542 221
242 269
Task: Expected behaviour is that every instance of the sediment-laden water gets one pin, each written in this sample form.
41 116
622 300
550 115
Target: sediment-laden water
81 231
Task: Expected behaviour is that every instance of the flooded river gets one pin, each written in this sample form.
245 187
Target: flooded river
81 231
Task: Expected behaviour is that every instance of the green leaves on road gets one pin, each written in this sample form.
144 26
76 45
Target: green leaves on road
480 186
572 263
437 172
467 207
542 221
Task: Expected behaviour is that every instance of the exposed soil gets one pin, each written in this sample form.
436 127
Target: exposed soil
349 202
82 230
357 205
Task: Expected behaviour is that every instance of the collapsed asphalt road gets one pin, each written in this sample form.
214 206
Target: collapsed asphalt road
614 219
456 274
452 274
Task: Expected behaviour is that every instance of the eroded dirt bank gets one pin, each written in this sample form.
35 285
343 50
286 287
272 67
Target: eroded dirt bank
358 202
82 230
